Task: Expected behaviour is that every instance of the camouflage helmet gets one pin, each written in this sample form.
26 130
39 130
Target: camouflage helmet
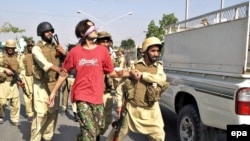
149 42
103 34
30 42
10 43
44 26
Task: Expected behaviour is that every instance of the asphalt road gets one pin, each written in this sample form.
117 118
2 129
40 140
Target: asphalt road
67 129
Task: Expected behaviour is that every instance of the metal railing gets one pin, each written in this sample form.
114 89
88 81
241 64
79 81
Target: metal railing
224 15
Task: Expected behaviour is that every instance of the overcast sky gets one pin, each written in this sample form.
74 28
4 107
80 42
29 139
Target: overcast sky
62 14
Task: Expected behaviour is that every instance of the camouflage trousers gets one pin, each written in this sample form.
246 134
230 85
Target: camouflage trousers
91 119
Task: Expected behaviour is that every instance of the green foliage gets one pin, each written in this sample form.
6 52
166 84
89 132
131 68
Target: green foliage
159 31
128 44
26 38
7 27
153 30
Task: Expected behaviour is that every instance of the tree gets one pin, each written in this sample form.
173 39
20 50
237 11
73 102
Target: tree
26 38
7 27
153 30
159 31
128 44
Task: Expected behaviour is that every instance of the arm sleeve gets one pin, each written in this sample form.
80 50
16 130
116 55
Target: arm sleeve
159 77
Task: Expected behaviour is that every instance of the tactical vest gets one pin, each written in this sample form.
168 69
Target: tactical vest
12 62
49 53
28 64
138 97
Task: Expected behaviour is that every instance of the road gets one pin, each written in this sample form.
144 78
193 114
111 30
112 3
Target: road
67 129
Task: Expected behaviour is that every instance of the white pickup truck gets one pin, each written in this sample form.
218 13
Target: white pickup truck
208 67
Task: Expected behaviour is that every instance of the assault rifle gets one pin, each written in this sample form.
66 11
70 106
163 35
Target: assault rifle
118 123
16 79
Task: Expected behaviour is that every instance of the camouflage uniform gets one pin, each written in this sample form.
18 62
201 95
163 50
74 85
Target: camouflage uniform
84 113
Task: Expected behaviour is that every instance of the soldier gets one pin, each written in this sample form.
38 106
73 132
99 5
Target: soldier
139 52
105 39
121 63
121 58
45 72
91 61
143 111
9 65
27 78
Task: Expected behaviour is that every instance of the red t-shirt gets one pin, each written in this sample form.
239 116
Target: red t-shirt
90 66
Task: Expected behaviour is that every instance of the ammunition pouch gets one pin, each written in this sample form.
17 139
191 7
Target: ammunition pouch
154 93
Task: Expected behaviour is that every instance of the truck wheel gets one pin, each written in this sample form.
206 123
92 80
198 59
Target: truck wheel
189 125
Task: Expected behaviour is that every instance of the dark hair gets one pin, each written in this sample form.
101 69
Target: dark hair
81 28
70 46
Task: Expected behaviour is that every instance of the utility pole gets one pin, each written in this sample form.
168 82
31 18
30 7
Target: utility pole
221 7
186 12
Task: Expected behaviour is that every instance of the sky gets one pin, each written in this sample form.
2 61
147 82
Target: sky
108 15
